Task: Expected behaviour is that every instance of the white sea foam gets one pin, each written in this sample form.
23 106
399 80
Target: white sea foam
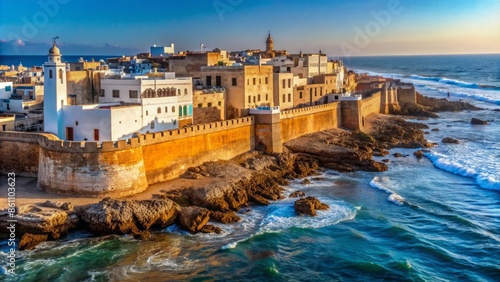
380 183
445 163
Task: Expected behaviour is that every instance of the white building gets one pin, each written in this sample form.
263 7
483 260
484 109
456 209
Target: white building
162 51
128 105
6 91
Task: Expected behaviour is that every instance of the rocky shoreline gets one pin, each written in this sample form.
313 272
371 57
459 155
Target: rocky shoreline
254 178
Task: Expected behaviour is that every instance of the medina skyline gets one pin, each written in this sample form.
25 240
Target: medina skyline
353 28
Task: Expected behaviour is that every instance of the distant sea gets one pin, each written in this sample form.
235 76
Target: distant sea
36 60
433 219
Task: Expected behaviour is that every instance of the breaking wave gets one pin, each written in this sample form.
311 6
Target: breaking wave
378 182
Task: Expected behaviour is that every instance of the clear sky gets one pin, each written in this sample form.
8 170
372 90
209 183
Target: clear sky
338 28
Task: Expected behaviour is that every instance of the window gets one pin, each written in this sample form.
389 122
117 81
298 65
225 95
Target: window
116 93
185 110
8 88
147 113
50 73
249 99
289 97
260 81
69 134
284 98
185 91
258 97
209 80
321 92
254 81
315 92
267 80
153 124
132 94
180 111
173 109
158 111
267 97
178 92
248 81
289 83
254 99
102 93
61 75
300 94
284 83
166 109
209 105
96 134
190 110
219 103
234 81
76 123
218 81
200 105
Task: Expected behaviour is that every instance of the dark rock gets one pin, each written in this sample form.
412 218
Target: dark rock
386 160
435 129
30 241
308 206
449 140
397 155
297 194
419 154
193 218
58 205
478 121
305 181
444 105
224 217
211 229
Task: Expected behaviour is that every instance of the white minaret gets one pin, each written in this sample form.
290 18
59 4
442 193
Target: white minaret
54 92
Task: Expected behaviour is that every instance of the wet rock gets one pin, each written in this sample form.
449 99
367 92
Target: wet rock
58 205
435 129
308 206
211 229
419 154
224 217
111 216
30 241
444 105
478 121
297 194
193 218
305 181
397 155
386 160
448 140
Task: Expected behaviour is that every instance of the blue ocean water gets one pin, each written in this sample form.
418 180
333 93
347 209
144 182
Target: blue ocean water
433 219
37 60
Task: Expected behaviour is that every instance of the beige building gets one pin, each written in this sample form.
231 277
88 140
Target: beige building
283 90
247 86
209 105
7 122
190 64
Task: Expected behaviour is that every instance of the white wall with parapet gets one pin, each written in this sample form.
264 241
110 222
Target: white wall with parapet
84 119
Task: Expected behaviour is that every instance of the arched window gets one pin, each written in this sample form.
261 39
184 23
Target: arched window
185 91
179 92
173 109
190 110
61 75
180 110
50 73
185 110
158 111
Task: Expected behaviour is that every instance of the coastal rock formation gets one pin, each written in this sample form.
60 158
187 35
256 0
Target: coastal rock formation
297 194
193 218
308 206
224 217
133 217
58 205
211 229
444 105
30 241
478 121
449 140
419 154
50 223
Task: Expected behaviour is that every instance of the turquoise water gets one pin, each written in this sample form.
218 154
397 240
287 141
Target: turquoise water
433 219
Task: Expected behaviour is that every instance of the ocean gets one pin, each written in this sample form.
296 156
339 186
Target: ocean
39 60
433 219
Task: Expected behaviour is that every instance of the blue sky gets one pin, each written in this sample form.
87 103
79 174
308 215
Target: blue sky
338 28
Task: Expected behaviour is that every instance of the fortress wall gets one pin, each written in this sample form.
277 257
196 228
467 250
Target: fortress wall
168 156
407 96
298 122
19 153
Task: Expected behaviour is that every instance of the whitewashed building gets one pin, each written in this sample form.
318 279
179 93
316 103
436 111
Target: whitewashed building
127 105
